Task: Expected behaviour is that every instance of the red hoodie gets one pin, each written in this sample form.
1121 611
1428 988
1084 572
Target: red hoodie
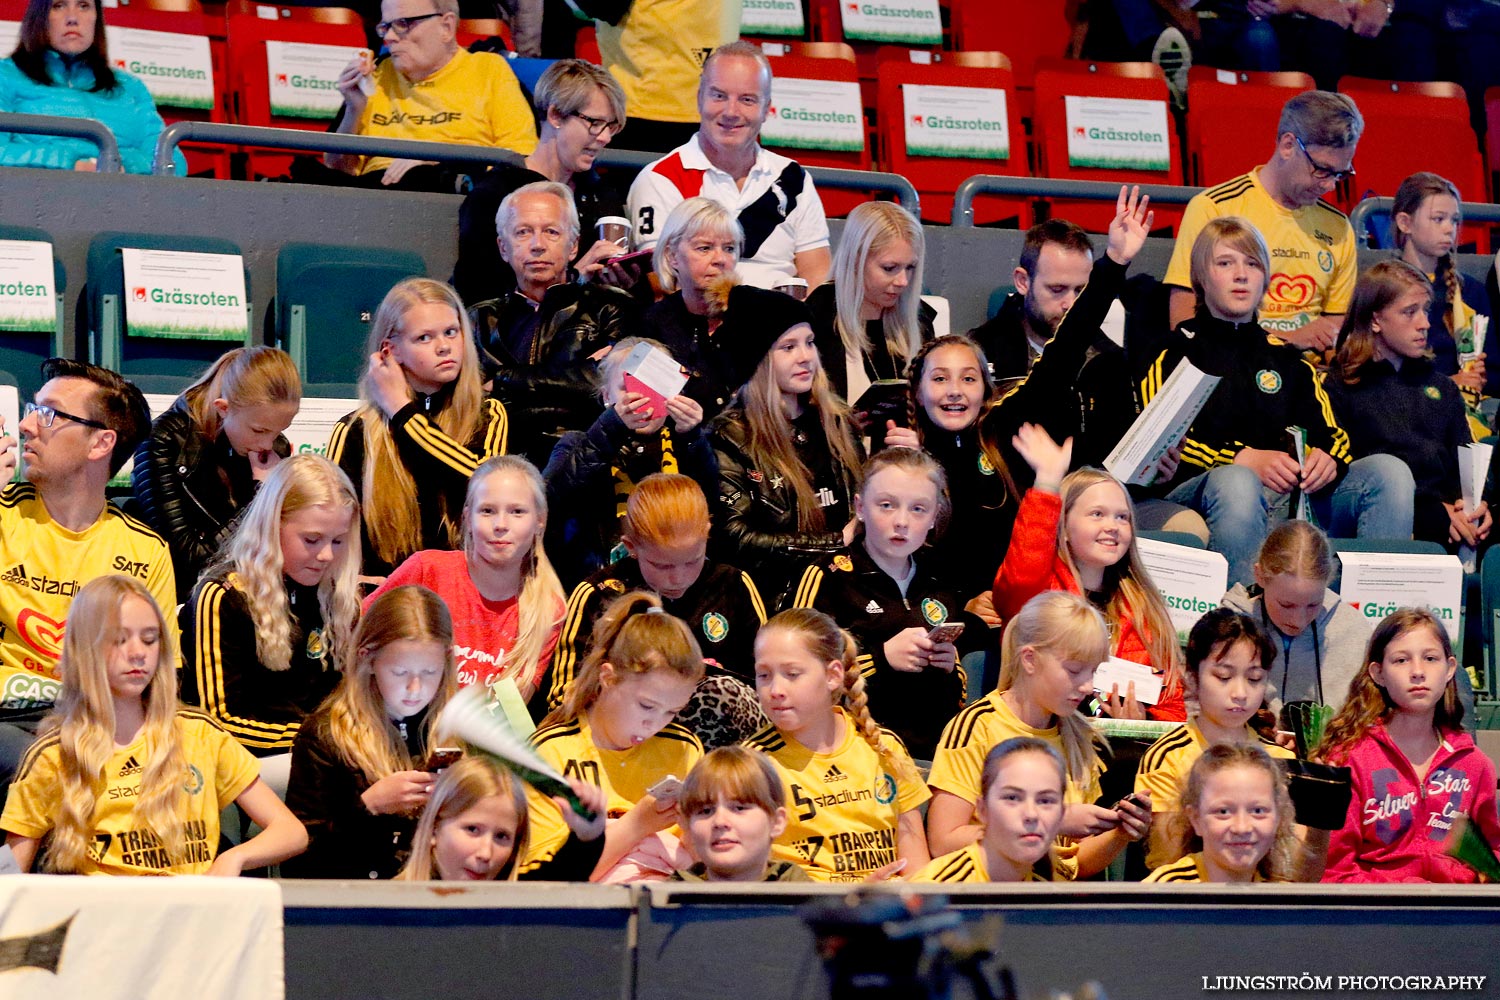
1031 566
1397 823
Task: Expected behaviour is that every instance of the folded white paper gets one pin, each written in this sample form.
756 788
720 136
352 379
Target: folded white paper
1162 424
1115 671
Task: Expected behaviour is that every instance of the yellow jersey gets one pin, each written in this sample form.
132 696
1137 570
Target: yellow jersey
42 567
1166 763
967 864
657 49
844 805
1188 869
623 774
1313 263
219 770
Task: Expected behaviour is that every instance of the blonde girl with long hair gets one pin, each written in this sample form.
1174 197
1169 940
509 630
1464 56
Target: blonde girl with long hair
506 600
124 780
209 453
615 729
362 763
424 426
476 828
829 750
1076 532
1048 656
271 622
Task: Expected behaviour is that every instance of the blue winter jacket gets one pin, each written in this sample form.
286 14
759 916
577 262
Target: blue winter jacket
127 111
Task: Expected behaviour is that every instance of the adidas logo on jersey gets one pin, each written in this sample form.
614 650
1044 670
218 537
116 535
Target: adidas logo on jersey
873 609
16 576
132 766
834 774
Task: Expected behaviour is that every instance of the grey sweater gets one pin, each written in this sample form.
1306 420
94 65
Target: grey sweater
1331 649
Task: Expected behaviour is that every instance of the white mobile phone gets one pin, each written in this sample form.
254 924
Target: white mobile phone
667 788
946 632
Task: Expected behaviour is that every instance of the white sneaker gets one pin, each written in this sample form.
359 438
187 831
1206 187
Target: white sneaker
1172 53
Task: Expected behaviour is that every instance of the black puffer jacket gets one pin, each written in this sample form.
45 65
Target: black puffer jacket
191 490
554 389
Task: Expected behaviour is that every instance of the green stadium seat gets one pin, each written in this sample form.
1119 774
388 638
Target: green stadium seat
21 353
1184 538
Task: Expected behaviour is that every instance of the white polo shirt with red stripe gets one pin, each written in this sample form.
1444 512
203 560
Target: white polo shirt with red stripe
778 207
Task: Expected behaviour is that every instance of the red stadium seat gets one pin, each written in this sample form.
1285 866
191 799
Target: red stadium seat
936 177
1025 30
1492 132
1057 79
1232 118
827 25
802 67
474 29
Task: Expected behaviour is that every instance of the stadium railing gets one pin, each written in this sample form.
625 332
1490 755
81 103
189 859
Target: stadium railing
78 128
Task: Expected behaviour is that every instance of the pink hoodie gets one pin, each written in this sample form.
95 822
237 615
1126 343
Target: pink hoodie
1397 824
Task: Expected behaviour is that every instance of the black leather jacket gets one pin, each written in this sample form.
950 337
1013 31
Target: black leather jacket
554 388
191 490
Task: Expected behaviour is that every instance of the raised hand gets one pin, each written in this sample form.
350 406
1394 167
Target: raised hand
1046 457
1130 226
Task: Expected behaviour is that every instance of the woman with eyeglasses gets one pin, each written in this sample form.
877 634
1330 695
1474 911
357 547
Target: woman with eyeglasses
580 109
61 66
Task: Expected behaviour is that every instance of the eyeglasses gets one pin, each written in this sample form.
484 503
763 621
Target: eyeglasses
1319 171
598 126
46 414
402 25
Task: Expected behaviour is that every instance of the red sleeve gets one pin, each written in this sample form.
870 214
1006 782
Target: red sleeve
1171 707
1030 565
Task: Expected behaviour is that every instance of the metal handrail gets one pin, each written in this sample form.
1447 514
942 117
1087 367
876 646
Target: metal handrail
320 142
1472 211
76 128
1046 187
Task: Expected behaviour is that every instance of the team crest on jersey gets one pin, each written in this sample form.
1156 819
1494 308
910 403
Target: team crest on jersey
715 626
885 790
933 611
315 647
986 467
1268 381
194 783
616 585
1431 392
843 563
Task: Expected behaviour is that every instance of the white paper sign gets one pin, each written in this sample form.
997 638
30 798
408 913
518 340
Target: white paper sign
304 78
170 293
1191 581
1117 133
772 17
1115 671
1377 583
313 424
10 418
176 68
1473 470
10 34
1161 424
815 114
967 122
28 298
912 22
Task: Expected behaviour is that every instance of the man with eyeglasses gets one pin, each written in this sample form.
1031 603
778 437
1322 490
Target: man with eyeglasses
1313 265
431 90
58 531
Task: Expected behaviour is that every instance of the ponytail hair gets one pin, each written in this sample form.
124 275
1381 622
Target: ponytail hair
1070 628
1279 863
666 509
634 636
245 376
460 789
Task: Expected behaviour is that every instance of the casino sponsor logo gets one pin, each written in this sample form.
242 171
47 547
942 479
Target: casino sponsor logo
29 691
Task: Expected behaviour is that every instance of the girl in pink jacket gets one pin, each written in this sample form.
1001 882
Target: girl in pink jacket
1415 769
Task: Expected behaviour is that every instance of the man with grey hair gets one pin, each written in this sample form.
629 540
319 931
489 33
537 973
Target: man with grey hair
539 343
1312 245
786 232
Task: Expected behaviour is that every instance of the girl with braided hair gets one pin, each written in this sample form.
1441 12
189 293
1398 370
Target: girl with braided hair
854 791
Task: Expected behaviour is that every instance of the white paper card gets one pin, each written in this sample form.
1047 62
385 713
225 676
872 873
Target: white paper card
912 22
1117 133
815 114
966 122
28 297
10 419
772 17
1377 583
172 293
1162 424
10 34
1473 470
1191 581
304 78
176 68
658 369
1226 76
1123 672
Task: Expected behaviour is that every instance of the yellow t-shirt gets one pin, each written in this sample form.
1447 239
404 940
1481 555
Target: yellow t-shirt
475 100
1313 263
1188 869
219 770
657 52
623 774
42 566
844 806
1166 763
967 864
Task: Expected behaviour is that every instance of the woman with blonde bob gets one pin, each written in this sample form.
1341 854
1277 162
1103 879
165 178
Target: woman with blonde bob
210 452
870 319
271 623
506 599
360 764
423 428
124 780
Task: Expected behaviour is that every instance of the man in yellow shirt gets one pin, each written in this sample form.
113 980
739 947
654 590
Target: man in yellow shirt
430 90
58 532
1312 245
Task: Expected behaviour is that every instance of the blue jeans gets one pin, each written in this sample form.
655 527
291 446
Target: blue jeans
1373 500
